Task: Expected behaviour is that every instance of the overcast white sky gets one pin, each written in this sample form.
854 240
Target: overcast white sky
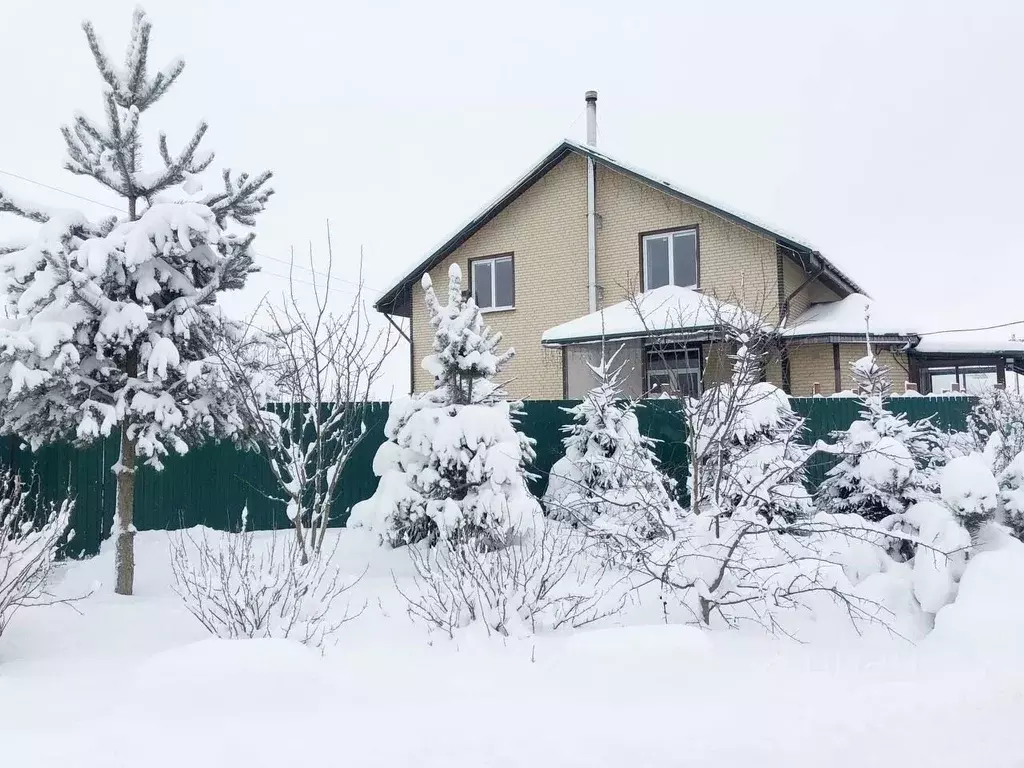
887 134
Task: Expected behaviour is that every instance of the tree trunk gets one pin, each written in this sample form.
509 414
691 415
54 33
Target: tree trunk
124 519
124 515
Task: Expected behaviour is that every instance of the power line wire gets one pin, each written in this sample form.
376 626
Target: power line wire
316 272
57 189
308 282
114 208
968 330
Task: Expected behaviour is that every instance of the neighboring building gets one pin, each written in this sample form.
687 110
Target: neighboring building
585 247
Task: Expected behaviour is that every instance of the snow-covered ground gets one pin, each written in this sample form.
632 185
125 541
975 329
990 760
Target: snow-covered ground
137 682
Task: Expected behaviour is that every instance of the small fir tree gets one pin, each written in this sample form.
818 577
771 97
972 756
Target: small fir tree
887 462
996 425
1011 496
970 491
746 443
454 465
113 326
609 476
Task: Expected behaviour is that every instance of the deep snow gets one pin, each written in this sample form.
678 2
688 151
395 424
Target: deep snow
136 681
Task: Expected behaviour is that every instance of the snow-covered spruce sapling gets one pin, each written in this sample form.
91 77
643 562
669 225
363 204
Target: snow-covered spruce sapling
996 424
454 464
748 458
326 361
30 533
886 462
609 476
1011 496
970 491
113 326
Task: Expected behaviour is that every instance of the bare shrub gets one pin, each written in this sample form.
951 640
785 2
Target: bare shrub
545 580
255 585
325 360
30 535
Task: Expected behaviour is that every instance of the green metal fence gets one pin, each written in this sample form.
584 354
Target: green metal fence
211 484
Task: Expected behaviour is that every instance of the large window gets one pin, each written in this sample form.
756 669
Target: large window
494 282
972 379
673 370
670 258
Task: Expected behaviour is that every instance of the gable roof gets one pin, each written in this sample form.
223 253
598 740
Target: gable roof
392 297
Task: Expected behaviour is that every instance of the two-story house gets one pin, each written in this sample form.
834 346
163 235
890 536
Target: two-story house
585 248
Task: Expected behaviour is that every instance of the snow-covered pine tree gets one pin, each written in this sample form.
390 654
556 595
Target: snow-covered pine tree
454 465
887 463
114 326
609 476
748 457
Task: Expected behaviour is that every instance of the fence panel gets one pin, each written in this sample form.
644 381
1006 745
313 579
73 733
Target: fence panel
212 483
826 415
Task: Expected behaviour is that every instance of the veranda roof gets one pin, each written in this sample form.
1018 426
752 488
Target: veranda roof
669 310
850 317
1004 340
675 311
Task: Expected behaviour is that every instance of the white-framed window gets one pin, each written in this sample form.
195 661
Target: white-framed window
494 282
673 370
670 258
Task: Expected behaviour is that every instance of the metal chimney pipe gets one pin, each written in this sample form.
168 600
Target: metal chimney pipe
591 97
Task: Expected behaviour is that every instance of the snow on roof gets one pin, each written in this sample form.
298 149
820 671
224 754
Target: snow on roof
672 309
847 317
659 311
988 340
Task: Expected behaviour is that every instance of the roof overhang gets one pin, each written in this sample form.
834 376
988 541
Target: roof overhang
707 333
964 355
883 339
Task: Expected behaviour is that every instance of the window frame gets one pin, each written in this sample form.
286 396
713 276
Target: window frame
493 259
657 349
668 232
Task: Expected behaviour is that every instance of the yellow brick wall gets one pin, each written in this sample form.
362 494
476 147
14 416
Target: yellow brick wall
811 362
895 362
817 293
793 276
736 264
717 365
546 229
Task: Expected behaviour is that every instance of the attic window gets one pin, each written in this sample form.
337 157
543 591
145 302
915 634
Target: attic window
669 258
493 282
